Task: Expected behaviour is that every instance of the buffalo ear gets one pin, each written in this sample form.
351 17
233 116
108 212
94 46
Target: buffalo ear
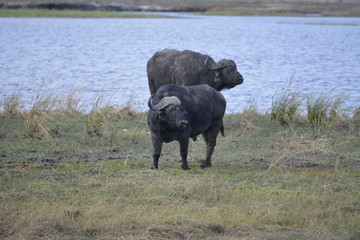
217 78
215 66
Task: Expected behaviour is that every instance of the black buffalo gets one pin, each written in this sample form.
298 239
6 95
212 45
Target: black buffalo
179 113
187 68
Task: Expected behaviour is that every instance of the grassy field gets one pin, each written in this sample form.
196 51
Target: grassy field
69 175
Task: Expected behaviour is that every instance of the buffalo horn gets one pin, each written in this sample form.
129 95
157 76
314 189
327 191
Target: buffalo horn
215 66
166 101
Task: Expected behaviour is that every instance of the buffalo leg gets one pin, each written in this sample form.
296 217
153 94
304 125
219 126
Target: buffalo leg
184 145
157 144
210 140
209 152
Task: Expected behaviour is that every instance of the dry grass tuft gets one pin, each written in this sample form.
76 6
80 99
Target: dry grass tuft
95 119
95 123
72 103
323 111
285 107
37 123
129 109
11 105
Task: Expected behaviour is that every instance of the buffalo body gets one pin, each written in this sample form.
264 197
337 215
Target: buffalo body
179 113
187 68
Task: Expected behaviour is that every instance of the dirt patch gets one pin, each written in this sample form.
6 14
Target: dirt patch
298 163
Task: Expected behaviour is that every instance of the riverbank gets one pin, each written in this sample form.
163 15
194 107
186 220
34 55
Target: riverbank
69 175
232 7
33 13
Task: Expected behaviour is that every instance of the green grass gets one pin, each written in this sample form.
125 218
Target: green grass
73 14
268 181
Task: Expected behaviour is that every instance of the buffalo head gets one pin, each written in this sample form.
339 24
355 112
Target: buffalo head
226 74
170 112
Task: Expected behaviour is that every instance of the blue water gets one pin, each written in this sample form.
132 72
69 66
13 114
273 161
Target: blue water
311 55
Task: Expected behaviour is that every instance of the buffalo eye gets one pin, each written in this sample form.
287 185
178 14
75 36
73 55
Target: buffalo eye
162 114
170 110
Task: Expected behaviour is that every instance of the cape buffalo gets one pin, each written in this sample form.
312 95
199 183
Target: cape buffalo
186 68
179 113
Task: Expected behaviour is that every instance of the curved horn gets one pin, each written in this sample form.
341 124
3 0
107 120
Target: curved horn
206 62
215 66
166 101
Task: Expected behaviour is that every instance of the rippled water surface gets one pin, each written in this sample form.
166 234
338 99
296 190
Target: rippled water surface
108 56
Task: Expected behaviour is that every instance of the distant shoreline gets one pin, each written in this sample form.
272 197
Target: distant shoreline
231 8
96 6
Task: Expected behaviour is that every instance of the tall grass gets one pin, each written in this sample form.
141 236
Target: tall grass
101 111
12 105
72 103
323 110
285 106
38 119
95 119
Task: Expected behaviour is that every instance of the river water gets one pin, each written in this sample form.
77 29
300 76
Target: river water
311 55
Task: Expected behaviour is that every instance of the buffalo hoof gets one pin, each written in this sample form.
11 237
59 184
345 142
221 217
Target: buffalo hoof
185 167
153 168
203 166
